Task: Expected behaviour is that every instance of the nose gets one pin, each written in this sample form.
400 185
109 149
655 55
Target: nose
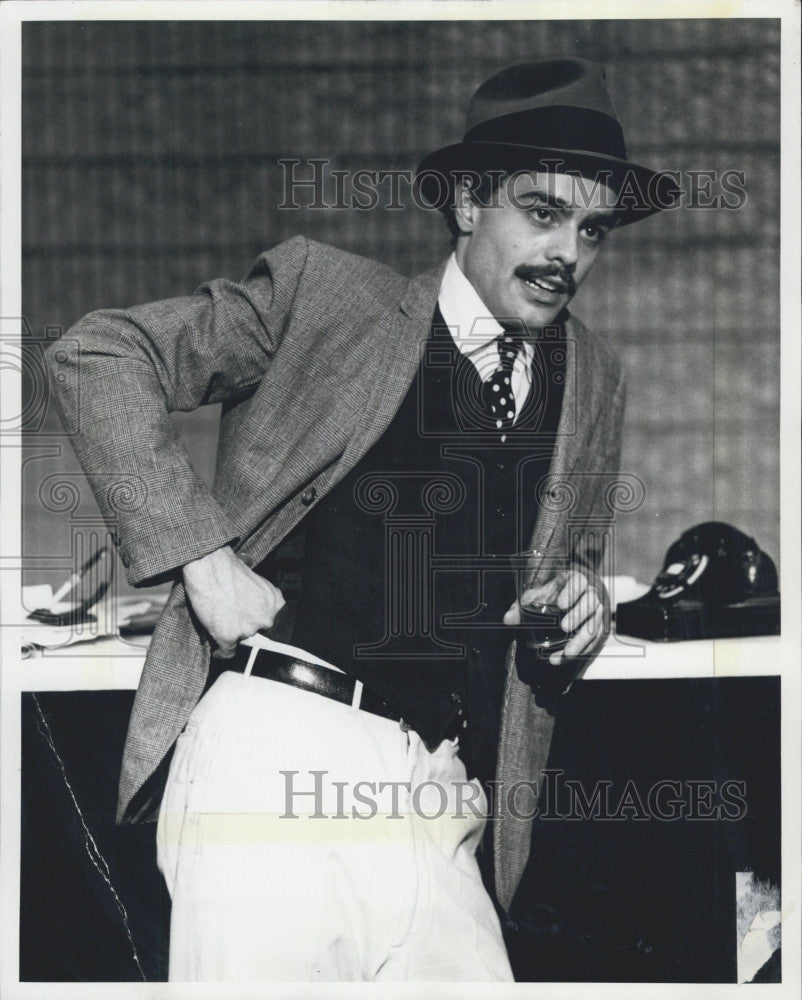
563 246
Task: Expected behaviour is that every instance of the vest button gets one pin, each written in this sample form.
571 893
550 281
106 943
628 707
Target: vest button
500 466
309 496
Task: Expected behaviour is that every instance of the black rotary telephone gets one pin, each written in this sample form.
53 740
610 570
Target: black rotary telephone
715 583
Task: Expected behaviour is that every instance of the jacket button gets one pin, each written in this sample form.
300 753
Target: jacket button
309 496
124 559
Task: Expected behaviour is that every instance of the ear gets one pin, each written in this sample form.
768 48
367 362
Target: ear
465 208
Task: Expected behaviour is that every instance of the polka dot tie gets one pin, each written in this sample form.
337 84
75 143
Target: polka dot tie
498 395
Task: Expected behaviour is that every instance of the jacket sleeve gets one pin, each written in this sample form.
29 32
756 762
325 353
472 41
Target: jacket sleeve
115 377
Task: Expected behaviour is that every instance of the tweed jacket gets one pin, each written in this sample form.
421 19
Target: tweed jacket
310 355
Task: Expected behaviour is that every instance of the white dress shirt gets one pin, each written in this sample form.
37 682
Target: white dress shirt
474 330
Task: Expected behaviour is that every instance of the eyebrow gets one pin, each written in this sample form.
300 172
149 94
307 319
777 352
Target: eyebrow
548 199
608 219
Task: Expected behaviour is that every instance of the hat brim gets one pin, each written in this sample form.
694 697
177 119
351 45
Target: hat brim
640 191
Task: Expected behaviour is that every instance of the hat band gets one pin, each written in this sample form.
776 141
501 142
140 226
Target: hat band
556 127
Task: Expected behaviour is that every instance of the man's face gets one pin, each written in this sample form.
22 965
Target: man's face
529 248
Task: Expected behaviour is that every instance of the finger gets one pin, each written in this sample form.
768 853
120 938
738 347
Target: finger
271 618
271 589
582 641
274 600
278 602
584 608
224 652
575 585
271 614
512 616
538 596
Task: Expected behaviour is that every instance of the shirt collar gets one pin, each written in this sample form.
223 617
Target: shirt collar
471 324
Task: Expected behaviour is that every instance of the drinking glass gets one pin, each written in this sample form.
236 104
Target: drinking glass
540 575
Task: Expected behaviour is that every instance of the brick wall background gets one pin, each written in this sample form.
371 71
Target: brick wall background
150 164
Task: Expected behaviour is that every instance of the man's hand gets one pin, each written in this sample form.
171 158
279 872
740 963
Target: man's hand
231 601
585 604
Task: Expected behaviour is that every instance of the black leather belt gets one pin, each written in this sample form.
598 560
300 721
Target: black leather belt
319 680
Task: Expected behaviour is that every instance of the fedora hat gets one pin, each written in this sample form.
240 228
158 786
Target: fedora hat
553 115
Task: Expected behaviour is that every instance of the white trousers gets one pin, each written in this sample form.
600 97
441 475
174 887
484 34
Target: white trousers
303 840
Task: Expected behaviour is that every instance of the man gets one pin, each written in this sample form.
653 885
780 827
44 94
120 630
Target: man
458 403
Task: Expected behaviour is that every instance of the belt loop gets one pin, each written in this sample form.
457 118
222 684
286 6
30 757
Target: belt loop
356 701
251 661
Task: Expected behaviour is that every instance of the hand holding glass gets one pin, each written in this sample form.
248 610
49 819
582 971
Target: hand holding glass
537 621
560 616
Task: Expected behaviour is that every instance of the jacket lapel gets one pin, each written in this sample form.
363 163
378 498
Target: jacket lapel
526 727
574 432
396 364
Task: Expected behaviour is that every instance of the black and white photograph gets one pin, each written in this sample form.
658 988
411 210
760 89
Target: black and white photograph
400 509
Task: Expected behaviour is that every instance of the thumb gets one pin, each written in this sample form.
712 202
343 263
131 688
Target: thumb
512 616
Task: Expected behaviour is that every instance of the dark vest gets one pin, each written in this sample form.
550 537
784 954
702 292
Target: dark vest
405 581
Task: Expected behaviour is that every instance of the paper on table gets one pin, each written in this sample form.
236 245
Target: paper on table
106 620
624 588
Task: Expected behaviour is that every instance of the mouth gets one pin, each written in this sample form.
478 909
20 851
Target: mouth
546 290
546 285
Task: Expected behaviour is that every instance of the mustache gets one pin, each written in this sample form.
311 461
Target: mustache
560 275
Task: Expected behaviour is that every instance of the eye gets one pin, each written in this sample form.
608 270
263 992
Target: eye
541 214
594 233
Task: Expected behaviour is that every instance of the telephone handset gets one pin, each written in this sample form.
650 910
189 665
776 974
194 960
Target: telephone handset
715 582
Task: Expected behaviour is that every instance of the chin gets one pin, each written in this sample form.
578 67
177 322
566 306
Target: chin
536 314
537 318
